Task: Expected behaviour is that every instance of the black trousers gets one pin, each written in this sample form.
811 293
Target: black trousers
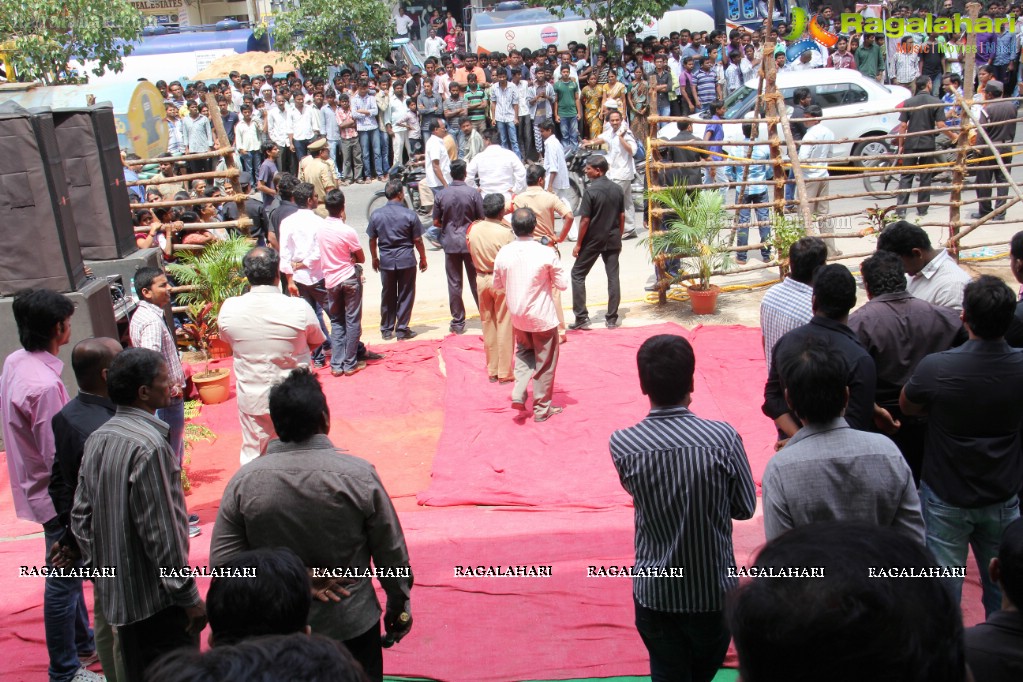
991 175
923 195
316 296
366 649
146 640
399 293
685 647
454 264
287 162
583 265
199 165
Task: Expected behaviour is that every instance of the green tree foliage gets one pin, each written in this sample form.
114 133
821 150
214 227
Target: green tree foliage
614 17
42 36
322 33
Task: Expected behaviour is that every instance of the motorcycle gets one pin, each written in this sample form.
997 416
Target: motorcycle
410 175
577 180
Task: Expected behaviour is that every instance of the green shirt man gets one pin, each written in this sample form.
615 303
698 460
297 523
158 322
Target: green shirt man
567 92
869 58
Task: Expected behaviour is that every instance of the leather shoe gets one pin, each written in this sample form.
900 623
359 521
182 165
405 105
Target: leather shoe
358 368
612 325
519 404
387 336
631 234
580 324
493 379
407 335
977 216
456 330
505 381
370 355
550 413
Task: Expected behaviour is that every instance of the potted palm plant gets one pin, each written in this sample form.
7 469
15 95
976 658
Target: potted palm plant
696 230
210 277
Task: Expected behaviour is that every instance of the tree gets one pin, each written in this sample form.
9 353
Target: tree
322 33
43 36
614 17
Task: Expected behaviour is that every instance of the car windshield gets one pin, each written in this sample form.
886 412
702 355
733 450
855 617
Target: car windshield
740 102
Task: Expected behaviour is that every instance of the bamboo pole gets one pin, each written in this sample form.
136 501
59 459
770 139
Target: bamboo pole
174 179
185 157
241 223
190 202
224 143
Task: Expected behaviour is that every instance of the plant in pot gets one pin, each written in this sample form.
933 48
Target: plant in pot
212 276
214 385
696 230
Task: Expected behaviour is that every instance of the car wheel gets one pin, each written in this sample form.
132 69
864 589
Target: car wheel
879 184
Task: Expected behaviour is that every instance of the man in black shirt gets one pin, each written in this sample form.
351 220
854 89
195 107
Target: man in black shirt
919 121
72 426
973 468
254 210
899 330
997 120
285 207
994 649
1014 337
601 226
834 295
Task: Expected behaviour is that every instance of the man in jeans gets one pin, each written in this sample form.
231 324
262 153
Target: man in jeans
688 478
504 110
754 194
342 257
566 112
365 107
31 394
973 471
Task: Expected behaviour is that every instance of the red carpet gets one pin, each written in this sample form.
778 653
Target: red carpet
481 629
489 455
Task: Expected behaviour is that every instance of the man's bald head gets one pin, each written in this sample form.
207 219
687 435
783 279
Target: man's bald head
90 360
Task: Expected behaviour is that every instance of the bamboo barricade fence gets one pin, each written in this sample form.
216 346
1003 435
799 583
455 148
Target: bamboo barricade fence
972 151
231 173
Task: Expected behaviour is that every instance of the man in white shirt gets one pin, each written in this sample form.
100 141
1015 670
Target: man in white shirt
438 163
556 168
270 334
279 130
932 275
300 259
621 146
434 46
329 126
813 157
496 169
246 140
528 272
402 23
305 125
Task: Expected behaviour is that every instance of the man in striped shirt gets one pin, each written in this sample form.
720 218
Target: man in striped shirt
688 477
787 305
129 516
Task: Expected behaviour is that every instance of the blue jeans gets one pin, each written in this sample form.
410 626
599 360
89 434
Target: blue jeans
385 153
316 296
432 233
250 163
952 530
742 233
301 149
663 111
790 187
509 136
371 159
345 311
335 147
456 135
570 132
174 416
717 174
65 617
683 646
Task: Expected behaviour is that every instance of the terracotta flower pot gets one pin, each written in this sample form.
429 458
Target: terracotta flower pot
214 387
704 301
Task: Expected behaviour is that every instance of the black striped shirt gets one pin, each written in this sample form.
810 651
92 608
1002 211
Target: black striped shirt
129 514
688 477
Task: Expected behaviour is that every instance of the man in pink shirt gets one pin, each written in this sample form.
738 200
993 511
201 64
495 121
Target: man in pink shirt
528 272
341 258
31 393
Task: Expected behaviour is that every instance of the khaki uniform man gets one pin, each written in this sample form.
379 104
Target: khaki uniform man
316 170
546 205
486 237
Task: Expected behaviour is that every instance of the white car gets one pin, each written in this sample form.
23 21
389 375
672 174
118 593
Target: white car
838 92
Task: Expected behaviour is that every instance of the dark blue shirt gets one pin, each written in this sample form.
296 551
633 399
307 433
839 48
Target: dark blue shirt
72 426
230 121
717 133
456 207
396 229
974 400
